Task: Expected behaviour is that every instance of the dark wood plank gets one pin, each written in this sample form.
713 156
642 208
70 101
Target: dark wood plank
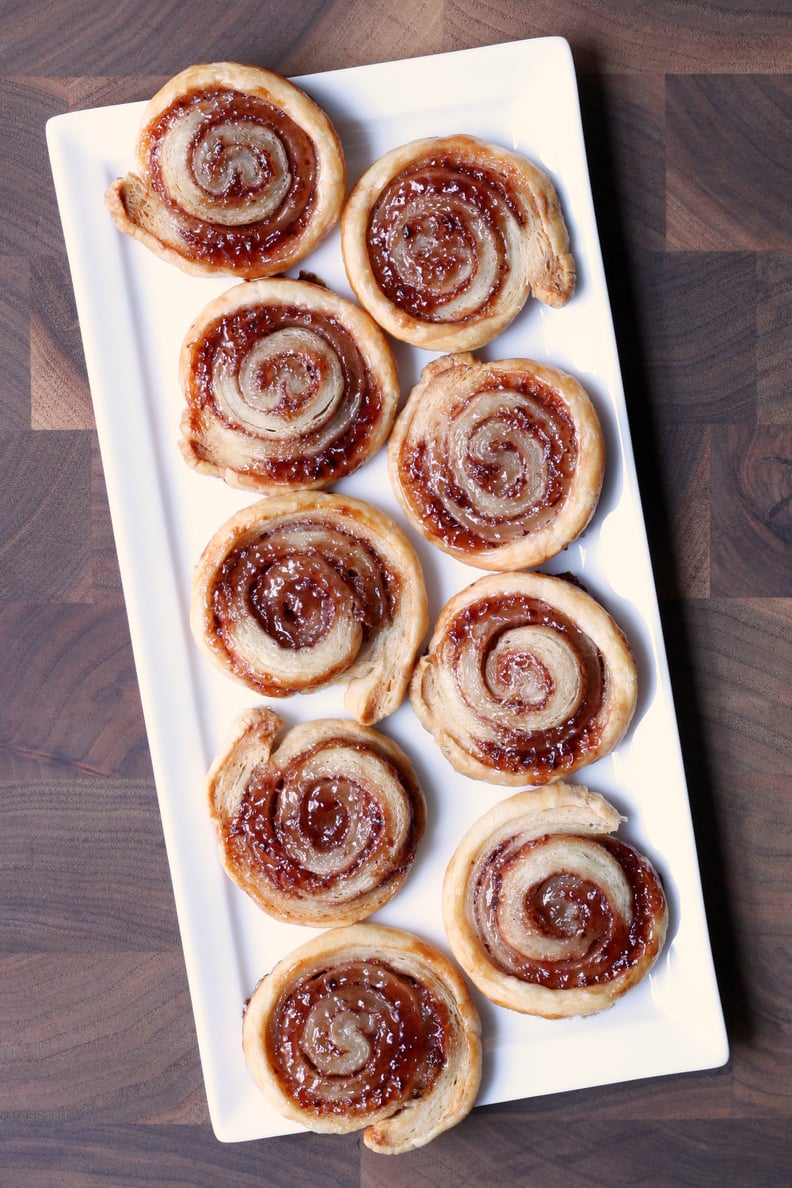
752 510
678 511
15 342
59 394
727 162
624 126
52 904
773 319
45 551
697 322
505 1149
98 39
128 1155
106 1038
731 659
73 664
105 575
30 224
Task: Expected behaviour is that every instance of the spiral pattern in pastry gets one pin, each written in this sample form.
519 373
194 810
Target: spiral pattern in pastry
240 173
321 828
288 386
499 464
366 1028
546 912
444 238
299 591
527 678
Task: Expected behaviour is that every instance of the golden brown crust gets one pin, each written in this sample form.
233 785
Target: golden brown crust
288 386
444 238
545 912
498 464
403 1011
526 679
319 826
240 173
300 591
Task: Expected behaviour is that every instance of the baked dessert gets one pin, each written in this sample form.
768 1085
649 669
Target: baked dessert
319 826
366 1028
239 173
288 386
546 911
498 464
444 239
298 591
526 679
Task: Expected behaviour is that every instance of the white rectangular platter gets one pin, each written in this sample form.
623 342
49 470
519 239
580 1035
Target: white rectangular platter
134 310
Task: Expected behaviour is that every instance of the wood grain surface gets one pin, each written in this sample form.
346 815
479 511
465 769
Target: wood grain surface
687 119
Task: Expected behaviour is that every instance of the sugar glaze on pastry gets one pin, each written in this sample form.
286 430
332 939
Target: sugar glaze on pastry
526 679
499 464
288 386
366 1028
318 824
444 239
546 911
299 591
239 172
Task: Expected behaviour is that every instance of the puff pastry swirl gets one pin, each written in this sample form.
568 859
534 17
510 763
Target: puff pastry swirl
366 1028
298 591
444 239
499 464
526 679
288 386
547 912
239 173
320 826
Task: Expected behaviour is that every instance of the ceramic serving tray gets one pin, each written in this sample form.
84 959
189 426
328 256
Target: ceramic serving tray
134 310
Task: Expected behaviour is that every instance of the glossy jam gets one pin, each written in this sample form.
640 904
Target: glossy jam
324 452
288 815
440 500
293 603
567 906
543 751
293 581
244 244
397 1038
345 820
325 817
445 181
